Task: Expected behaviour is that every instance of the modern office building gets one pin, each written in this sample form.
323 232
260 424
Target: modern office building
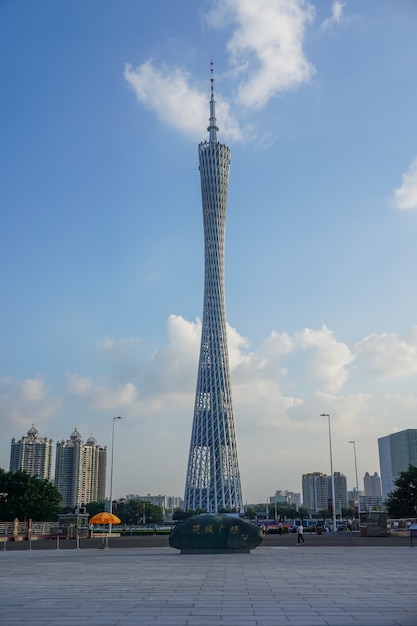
213 478
396 453
33 454
315 491
80 471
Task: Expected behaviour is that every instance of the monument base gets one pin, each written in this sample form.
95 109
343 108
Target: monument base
215 551
215 534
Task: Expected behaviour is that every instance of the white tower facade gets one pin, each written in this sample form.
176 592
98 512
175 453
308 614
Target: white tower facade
32 454
213 478
80 471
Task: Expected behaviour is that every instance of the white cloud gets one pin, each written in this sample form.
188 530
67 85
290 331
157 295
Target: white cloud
310 357
405 197
266 58
388 355
172 370
326 359
26 402
78 385
34 389
165 90
337 15
266 46
121 355
100 395
279 389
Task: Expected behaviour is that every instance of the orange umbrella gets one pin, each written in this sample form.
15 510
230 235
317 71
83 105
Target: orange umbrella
105 518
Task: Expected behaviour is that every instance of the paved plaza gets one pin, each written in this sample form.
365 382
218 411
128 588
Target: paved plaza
273 585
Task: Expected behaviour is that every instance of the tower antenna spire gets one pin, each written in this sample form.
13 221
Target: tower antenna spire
212 128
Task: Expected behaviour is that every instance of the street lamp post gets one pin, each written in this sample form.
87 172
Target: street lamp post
356 474
111 471
332 474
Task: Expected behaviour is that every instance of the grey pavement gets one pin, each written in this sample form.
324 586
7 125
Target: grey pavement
284 585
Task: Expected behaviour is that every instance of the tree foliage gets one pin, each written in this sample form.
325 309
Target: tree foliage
136 512
348 511
93 508
27 497
250 512
286 511
179 515
402 502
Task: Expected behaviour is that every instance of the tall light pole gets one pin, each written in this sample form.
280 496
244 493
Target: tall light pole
331 471
111 472
356 473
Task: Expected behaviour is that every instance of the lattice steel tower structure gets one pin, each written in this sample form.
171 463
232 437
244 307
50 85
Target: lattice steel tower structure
213 479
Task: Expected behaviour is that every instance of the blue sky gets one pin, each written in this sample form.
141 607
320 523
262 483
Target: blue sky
101 240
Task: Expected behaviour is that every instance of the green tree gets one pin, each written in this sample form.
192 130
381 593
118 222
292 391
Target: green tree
138 512
283 510
402 502
348 511
93 508
180 515
250 512
302 512
224 509
27 497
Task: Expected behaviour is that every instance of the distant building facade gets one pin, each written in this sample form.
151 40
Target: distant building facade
33 454
167 503
354 498
315 491
340 491
396 453
286 497
372 485
80 471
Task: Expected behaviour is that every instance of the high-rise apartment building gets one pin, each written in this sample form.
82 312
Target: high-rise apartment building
33 454
340 491
80 471
213 478
396 453
372 485
315 491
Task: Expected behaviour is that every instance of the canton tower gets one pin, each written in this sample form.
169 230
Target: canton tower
213 479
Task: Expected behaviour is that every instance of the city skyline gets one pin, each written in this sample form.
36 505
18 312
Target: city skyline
374 480
101 238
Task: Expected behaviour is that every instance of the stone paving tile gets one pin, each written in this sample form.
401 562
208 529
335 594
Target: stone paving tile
162 588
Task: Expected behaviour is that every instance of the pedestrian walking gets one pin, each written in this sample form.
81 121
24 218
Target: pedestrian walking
300 534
